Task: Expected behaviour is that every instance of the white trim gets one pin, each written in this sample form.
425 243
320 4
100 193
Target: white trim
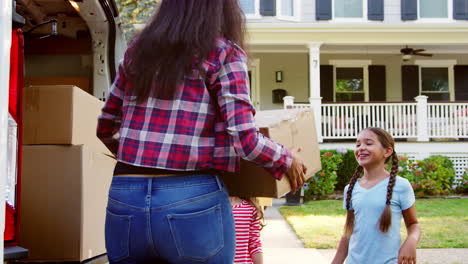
364 64
5 46
350 19
254 67
435 63
296 11
371 26
449 17
350 63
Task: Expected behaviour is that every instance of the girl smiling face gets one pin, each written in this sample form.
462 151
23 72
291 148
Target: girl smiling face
369 151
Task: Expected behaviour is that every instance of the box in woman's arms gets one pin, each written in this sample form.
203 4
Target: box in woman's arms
291 128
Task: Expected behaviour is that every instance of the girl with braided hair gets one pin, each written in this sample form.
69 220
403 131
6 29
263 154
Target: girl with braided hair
375 201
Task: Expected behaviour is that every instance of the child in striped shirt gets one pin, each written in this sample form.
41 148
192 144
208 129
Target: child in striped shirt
247 218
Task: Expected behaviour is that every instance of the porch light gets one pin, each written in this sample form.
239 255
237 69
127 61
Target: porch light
279 76
74 5
406 57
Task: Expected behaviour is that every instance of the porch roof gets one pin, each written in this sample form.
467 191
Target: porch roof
356 49
377 34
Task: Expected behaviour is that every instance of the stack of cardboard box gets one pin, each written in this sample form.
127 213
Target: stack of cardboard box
66 175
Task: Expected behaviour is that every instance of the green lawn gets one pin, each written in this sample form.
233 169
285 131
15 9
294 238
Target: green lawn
444 223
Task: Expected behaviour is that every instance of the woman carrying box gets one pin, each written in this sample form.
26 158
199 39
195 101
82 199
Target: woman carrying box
178 112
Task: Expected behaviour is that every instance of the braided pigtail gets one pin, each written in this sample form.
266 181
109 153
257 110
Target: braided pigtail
386 218
349 226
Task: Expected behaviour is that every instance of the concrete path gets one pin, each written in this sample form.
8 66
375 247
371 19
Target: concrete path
424 256
281 245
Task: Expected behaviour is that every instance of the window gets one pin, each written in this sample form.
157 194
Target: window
251 8
349 8
434 9
349 84
288 9
437 79
435 83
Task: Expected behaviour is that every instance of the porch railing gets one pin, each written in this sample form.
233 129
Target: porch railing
448 120
419 120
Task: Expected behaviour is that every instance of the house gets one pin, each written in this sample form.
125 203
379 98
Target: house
398 64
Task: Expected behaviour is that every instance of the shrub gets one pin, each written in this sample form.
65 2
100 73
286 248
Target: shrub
323 182
346 169
462 183
431 176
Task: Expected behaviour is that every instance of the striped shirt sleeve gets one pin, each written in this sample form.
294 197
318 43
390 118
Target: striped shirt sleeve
232 89
255 243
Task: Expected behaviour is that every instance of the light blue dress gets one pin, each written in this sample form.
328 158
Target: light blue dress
367 245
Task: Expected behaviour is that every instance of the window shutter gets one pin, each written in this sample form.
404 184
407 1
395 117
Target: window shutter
326 83
375 10
323 9
460 9
410 82
409 10
268 7
461 82
377 83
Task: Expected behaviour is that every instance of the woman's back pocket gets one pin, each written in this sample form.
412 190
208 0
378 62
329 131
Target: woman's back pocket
199 235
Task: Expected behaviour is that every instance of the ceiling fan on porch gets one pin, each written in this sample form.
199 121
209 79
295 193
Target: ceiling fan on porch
409 52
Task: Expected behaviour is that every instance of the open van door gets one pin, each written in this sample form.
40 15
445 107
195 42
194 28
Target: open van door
56 42
5 43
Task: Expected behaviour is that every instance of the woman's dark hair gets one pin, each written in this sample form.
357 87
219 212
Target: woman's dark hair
385 221
179 37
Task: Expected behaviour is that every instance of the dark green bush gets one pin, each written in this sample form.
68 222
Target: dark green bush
323 183
346 169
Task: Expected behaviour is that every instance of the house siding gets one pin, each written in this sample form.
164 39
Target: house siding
295 74
392 14
295 71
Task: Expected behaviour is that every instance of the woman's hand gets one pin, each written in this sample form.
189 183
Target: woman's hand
407 253
296 174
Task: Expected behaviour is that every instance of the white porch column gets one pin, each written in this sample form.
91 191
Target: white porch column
5 46
314 85
421 118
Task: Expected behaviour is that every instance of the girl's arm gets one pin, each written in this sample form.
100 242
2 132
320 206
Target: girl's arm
257 258
255 243
407 253
342 251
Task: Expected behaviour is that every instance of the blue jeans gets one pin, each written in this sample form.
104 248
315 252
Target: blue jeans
177 219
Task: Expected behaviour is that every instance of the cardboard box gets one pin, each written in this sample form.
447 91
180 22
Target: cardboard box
61 114
63 202
291 128
82 83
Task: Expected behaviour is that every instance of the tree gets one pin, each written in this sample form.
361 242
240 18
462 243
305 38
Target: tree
135 12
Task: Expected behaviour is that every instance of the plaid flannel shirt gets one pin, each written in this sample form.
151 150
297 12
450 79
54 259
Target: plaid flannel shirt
208 125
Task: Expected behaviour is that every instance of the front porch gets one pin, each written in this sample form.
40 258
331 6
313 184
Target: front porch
353 79
413 121
421 129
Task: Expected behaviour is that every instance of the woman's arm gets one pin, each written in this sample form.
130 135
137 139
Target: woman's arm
342 251
231 87
111 115
407 253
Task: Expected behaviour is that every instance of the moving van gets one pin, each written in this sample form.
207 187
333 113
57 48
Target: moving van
51 43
